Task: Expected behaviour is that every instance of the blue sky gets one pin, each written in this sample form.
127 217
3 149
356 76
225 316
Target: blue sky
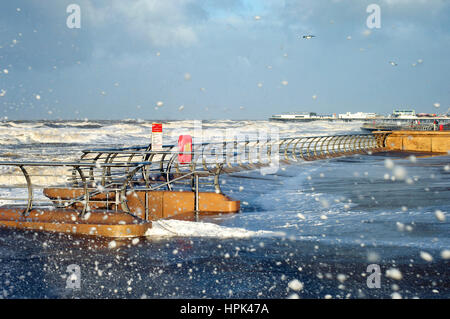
231 59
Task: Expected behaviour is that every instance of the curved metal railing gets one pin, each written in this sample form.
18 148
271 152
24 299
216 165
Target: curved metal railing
232 155
123 170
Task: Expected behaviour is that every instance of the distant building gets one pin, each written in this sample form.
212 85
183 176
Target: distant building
357 115
404 114
296 116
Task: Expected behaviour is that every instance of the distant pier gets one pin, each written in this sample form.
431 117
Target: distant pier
386 119
397 118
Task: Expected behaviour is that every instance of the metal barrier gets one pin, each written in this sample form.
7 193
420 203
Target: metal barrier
392 126
214 159
114 173
87 186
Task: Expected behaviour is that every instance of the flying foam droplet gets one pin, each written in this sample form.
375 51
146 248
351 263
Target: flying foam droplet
440 215
445 254
112 244
325 204
341 278
388 163
400 226
373 257
400 172
295 285
396 295
426 256
394 273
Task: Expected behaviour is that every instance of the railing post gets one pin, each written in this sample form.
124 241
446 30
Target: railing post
196 204
30 191
86 191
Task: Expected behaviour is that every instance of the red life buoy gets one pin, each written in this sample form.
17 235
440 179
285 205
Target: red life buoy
185 145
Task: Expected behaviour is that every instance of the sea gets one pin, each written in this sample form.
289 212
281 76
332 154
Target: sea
361 226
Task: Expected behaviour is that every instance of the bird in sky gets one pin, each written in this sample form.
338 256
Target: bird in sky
309 36
392 63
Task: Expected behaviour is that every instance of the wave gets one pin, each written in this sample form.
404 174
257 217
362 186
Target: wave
77 125
40 176
84 132
179 228
24 125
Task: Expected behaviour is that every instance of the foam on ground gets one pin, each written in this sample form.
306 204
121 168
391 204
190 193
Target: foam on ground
175 228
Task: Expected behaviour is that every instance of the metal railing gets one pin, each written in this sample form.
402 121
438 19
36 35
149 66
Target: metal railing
116 172
85 187
230 156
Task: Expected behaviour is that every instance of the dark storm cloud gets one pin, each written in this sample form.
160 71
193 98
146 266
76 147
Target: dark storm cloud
111 27
147 46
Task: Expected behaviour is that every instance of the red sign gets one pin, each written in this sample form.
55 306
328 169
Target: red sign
157 137
185 146
156 128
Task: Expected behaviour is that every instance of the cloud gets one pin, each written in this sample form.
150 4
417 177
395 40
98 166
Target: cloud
226 50
33 34
415 9
161 23
409 3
